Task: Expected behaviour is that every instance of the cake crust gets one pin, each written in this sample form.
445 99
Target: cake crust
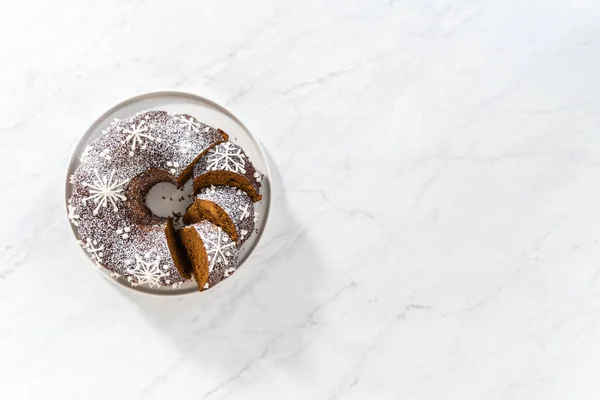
107 206
227 207
228 165
213 254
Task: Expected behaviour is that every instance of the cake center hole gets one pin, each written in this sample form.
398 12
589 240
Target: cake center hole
165 200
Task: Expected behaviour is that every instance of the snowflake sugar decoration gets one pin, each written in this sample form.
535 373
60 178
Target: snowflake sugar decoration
218 247
85 155
96 252
136 135
245 212
124 233
258 176
103 190
72 216
115 275
105 154
177 285
228 272
243 234
226 157
184 147
190 125
147 271
173 167
209 190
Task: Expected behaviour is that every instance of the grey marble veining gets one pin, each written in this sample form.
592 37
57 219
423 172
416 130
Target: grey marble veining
435 201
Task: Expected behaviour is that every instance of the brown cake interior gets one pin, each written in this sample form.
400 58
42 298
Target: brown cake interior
186 174
136 193
140 185
138 189
182 262
213 213
226 178
191 241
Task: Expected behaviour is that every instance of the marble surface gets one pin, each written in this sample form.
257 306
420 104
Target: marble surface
435 201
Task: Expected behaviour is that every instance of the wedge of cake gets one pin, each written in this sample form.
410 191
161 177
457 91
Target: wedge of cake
227 207
213 255
226 164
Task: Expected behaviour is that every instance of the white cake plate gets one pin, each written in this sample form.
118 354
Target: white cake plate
163 198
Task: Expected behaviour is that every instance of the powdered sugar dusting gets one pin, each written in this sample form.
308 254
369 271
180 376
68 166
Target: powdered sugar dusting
232 158
223 254
236 204
99 208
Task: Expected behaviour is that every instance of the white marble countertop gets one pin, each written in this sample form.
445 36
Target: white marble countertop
435 201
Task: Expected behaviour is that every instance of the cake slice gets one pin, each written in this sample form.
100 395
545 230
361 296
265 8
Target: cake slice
227 207
227 164
213 254
178 253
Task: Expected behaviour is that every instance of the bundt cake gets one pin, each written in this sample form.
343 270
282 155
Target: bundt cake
108 202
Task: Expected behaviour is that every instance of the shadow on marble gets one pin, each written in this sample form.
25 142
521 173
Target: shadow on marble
262 311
